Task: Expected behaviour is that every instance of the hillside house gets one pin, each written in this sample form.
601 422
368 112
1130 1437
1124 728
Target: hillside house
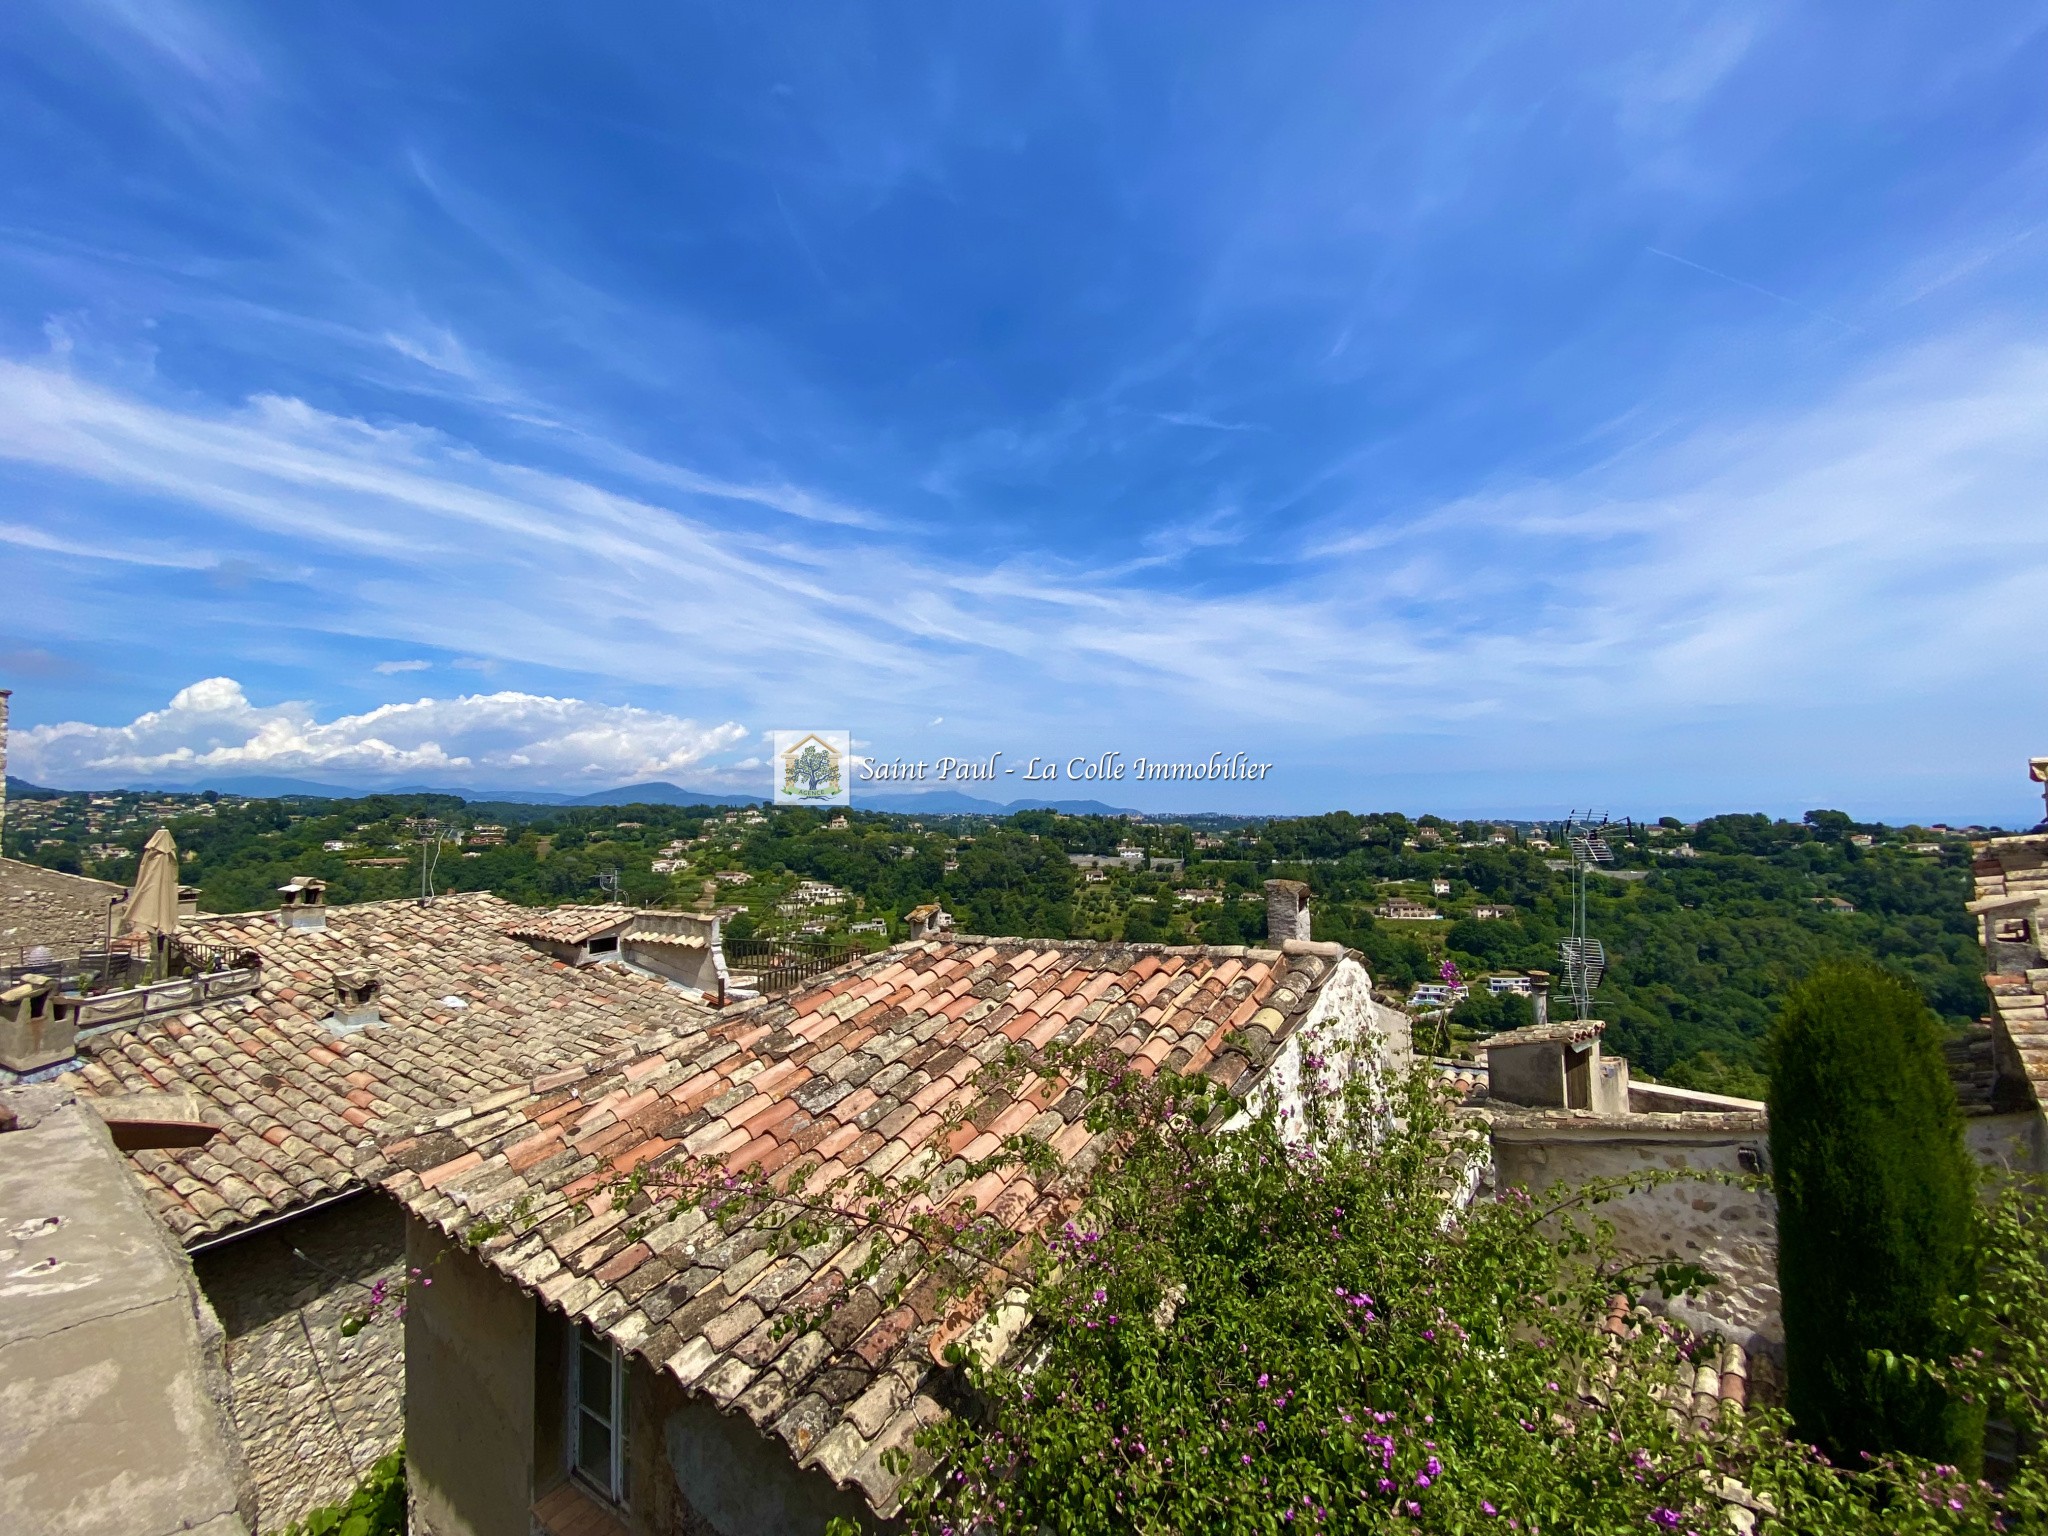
1399 909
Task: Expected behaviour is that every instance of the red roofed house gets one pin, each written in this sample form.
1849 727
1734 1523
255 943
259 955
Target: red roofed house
572 1374
243 1101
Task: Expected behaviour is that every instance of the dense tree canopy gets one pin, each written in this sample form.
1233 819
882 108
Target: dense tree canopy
1705 928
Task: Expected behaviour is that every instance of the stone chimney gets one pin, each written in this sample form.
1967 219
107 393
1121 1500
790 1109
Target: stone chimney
34 1032
930 921
1539 995
355 1002
1286 911
302 903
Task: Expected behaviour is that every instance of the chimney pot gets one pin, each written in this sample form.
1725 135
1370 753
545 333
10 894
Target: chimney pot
302 903
34 1031
355 1002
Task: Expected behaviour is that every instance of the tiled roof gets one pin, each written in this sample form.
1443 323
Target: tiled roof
566 925
1465 1079
2020 1004
1721 1375
1567 1031
865 1069
466 1012
2012 866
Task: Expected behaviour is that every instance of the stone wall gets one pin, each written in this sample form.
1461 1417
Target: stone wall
693 1469
315 1409
1346 1033
43 906
1728 1230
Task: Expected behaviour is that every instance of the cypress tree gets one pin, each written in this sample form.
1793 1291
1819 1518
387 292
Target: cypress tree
1875 1194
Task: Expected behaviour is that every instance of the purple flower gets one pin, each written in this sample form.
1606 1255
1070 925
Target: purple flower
1668 1518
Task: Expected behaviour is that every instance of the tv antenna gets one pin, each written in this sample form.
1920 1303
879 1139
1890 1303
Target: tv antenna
428 830
608 881
1583 957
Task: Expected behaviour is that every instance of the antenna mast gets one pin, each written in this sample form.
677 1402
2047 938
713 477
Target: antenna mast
1584 959
428 831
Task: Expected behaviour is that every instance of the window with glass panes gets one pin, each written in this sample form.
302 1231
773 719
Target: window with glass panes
597 1430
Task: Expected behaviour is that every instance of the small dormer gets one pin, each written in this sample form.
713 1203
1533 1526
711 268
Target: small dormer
1556 1066
302 903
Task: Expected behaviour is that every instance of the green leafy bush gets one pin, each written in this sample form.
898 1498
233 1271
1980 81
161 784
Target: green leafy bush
1875 1209
376 1508
1246 1336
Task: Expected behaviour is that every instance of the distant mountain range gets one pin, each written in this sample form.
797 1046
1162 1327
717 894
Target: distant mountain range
939 802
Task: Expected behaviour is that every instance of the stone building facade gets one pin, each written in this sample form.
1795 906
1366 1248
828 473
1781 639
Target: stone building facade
316 1405
359 1014
1706 1216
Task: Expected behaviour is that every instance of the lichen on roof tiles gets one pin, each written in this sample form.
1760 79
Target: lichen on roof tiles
873 1069
297 1103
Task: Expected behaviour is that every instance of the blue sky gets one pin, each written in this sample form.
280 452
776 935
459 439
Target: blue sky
1471 409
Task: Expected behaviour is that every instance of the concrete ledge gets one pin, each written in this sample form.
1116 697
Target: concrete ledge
1531 1125
114 1405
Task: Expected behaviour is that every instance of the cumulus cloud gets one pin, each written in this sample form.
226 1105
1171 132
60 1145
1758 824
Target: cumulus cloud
212 730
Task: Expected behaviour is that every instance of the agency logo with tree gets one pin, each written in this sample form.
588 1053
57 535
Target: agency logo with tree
811 767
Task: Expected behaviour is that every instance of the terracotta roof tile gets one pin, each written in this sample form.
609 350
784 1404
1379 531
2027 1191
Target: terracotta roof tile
783 1079
298 1105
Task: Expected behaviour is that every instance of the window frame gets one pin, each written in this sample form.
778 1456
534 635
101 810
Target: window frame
582 1343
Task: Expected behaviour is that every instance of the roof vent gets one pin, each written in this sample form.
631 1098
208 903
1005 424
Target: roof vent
355 1002
302 903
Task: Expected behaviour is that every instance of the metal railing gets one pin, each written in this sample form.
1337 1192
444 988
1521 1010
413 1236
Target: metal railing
782 965
77 970
90 971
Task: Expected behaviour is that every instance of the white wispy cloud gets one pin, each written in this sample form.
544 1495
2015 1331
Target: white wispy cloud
389 668
213 729
1846 554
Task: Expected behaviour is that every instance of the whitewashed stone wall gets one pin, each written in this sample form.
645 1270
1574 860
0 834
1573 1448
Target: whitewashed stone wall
1350 1033
315 1409
1726 1229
